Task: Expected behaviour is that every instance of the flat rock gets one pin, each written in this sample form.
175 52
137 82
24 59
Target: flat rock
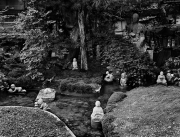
47 94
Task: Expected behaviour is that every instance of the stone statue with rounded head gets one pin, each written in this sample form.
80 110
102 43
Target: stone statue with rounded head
14 89
109 76
41 104
98 112
74 64
123 79
161 79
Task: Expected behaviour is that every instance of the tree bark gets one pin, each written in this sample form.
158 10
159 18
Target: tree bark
84 64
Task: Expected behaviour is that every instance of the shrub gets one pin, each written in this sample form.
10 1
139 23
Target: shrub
16 72
125 56
96 80
22 81
77 85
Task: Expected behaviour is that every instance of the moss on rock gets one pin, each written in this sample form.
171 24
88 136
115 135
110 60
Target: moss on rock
116 97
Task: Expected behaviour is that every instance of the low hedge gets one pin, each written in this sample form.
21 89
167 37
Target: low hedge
78 85
23 81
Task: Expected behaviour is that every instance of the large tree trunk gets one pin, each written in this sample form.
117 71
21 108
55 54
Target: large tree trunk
84 64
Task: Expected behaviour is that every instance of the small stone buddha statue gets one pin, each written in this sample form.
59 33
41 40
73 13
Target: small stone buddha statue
123 79
41 104
14 89
161 79
97 111
44 106
97 114
74 64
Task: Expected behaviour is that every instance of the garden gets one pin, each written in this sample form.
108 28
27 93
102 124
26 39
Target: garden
73 48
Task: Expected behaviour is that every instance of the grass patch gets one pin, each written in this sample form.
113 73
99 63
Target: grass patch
152 111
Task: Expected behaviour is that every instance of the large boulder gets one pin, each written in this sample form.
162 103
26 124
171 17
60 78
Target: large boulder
145 112
47 94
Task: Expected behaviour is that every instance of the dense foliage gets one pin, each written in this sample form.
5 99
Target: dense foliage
59 25
42 37
126 57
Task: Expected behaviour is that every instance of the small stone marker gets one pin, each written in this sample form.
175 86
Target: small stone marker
47 94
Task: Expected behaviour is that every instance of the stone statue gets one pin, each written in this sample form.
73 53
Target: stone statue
97 115
161 79
44 106
1 88
14 89
41 104
169 76
109 76
75 65
98 88
36 105
123 79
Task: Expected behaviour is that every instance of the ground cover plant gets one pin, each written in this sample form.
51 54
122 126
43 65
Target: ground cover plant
152 111
28 122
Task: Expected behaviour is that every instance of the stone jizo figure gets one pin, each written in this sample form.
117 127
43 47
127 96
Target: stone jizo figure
123 79
161 79
109 76
74 64
98 88
14 89
97 115
41 104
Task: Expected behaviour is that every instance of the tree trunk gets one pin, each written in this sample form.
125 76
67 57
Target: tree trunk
84 64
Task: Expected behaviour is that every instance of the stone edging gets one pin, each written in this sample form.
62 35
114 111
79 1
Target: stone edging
71 133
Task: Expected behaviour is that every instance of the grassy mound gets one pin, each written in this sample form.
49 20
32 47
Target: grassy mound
145 112
79 85
29 122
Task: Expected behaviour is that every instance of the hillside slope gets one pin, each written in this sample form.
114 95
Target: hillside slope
152 112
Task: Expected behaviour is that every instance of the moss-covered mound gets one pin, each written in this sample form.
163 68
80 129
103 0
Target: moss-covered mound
29 122
145 112
79 85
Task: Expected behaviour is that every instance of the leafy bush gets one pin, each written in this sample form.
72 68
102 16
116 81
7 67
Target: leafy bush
23 81
172 63
96 80
77 86
122 55
16 72
39 41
